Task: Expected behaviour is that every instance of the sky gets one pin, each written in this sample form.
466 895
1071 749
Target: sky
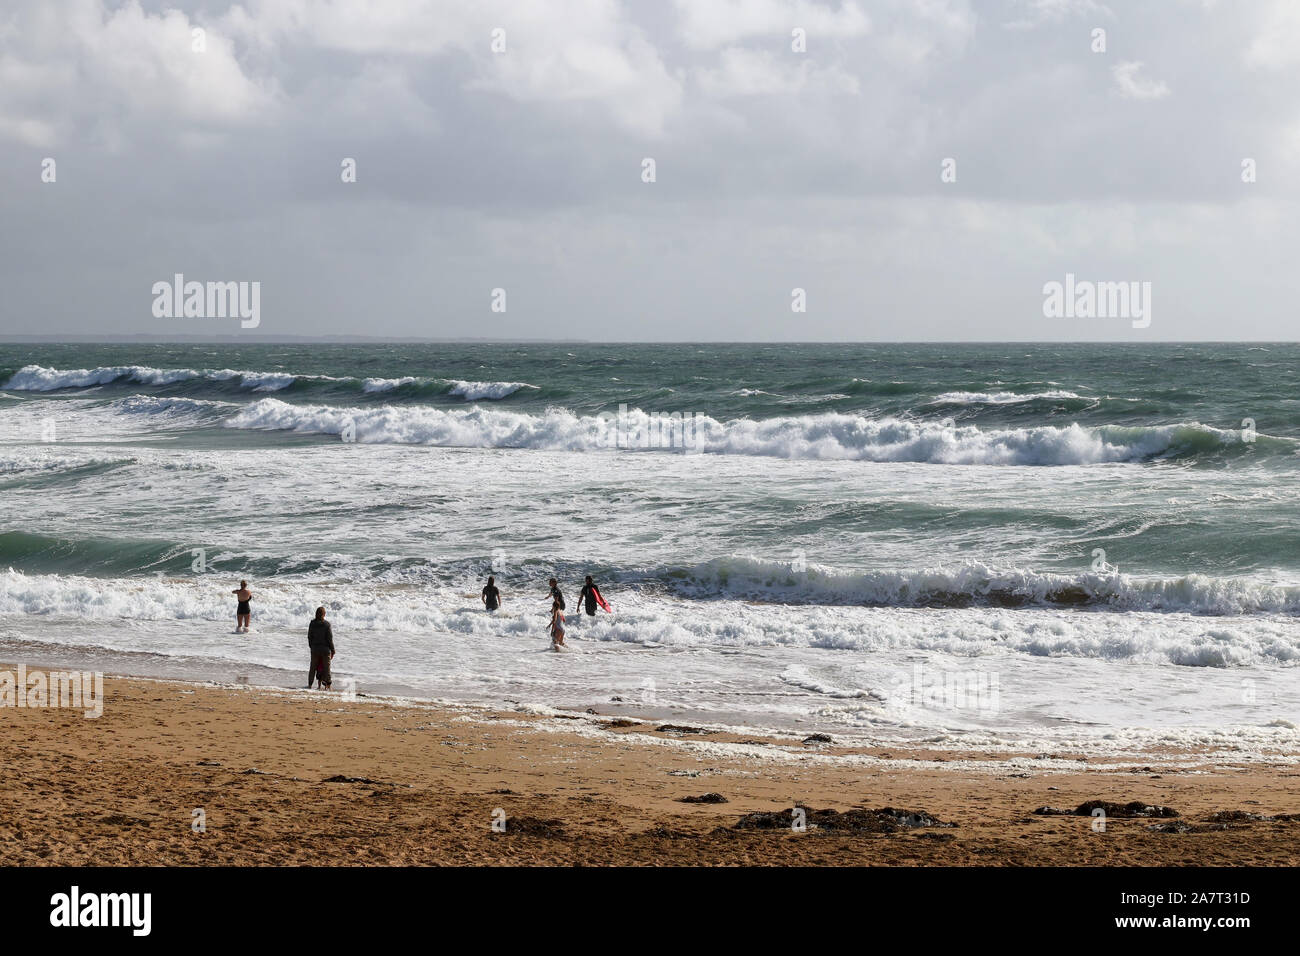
921 170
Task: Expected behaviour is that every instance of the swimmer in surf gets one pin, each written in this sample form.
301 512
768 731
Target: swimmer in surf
491 595
242 612
557 626
555 596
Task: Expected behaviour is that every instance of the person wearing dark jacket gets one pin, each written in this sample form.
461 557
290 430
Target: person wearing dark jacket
320 639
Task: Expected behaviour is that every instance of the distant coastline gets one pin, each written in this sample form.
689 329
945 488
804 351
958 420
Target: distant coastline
144 338
149 339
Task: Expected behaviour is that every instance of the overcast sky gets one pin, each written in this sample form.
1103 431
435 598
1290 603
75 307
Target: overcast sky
775 169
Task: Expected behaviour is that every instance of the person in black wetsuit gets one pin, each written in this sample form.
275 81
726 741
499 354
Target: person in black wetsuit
491 595
555 596
587 597
320 639
242 611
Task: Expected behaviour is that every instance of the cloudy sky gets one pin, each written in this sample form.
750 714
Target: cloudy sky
522 168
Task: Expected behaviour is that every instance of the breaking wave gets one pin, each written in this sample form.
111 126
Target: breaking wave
828 436
978 585
406 615
37 378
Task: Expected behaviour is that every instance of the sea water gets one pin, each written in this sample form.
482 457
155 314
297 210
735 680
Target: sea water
969 544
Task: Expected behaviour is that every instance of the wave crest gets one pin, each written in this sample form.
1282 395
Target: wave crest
474 391
37 378
829 436
979 585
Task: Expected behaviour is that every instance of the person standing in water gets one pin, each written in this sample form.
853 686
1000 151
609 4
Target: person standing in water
242 613
320 640
556 597
557 626
491 595
557 616
587 596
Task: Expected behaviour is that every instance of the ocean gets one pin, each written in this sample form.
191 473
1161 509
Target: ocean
983 546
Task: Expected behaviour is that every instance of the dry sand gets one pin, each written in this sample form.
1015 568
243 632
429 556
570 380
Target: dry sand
427 780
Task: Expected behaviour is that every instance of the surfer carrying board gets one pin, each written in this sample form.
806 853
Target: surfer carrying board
590 597
242 612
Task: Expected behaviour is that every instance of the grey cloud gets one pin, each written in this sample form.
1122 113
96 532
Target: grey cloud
774 169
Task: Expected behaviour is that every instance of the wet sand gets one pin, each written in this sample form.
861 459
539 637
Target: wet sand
295 777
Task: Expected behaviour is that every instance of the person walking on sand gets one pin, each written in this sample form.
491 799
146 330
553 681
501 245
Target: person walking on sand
491 595
557 626
320 639
242 612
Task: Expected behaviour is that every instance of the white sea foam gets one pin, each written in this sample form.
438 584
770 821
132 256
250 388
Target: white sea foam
998 398
474 426
153 405
411 614
55 459
813 399
387 384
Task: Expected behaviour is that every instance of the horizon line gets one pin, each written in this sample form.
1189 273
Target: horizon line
147 339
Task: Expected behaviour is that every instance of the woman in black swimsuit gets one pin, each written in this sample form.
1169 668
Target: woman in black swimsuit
242 613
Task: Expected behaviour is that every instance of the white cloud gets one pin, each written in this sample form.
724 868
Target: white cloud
424 27
1133 86
743 72
609 63
765 156
718 23
912 33
1277 44
150 61
1038 12
563 51
81 66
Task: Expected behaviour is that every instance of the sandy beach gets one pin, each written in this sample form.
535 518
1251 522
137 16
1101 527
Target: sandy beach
292 777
